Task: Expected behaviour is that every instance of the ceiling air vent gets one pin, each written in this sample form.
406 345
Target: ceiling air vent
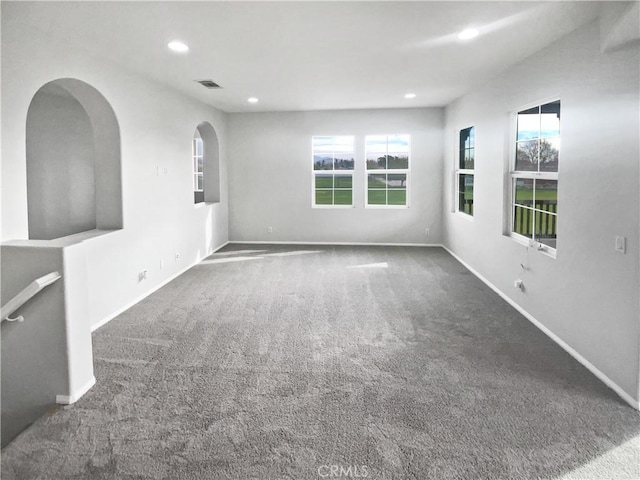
208 83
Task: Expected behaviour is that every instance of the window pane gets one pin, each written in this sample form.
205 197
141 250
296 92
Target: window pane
343 197
344 161
523 221
200 182
546 225
468 159
398 143
466 147
343 144
398 160
197 146
377 181
466 138
322 162
324 181
323 146
547 195
376 160
397 197
343 181
529 124
524 191
527 156
549 152
465 194
199 164
465 205
333 150
375 143
397 180
550 120
377 197
324 197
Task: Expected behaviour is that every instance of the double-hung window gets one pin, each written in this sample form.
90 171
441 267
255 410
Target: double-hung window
333 165
197 151
387 164
534 176
465 171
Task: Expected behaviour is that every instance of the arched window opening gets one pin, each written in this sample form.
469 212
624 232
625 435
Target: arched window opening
206 164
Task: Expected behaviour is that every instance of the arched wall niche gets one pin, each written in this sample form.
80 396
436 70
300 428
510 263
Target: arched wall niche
74 175
211 159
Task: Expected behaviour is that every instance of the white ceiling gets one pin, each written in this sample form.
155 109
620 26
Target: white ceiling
310 55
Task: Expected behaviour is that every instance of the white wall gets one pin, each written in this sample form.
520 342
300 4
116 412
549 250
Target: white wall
271 177
156 128
588 295
48 356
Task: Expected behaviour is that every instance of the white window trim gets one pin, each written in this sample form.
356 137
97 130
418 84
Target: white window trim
392 171
513 174
461 171
314 173
194 160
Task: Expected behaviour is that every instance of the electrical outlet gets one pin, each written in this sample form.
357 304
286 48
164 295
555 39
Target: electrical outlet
427 231
142 275
177 256
269 229
621 244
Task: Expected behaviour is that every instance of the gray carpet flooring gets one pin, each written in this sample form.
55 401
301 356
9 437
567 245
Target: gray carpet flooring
283 362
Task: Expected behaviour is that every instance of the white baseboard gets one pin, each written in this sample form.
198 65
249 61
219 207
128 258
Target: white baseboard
361 244
108 318
75 396
592 368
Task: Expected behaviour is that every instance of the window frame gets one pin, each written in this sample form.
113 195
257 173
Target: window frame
388 171
458 172
514 175
315 173
195 174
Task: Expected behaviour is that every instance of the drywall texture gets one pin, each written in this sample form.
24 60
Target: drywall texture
163 231
60 166
588 295
271 177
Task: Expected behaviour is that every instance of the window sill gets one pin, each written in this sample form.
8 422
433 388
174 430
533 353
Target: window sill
387 207
538 247
324 207
466 216
204 204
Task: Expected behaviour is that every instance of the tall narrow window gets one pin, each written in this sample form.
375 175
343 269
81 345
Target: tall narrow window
465 171
198 168
333 164
387 170
535 175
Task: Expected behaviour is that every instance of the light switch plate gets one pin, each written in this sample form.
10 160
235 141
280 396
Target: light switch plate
621 244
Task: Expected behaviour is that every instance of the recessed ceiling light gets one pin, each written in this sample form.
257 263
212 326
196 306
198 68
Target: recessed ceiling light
468 34
178 46
410 95
252 100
